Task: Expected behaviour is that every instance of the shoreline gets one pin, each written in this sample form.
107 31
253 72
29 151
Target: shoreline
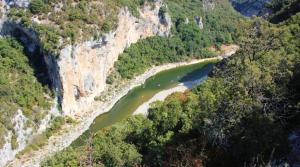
162 95
70 133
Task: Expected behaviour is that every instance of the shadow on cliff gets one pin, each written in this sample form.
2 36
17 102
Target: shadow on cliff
32 50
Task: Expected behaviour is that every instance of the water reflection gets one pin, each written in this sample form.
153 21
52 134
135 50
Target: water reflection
186 75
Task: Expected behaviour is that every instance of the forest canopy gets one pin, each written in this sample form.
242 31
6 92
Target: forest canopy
188 40
250 100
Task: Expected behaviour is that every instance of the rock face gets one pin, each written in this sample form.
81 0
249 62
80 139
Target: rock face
22 132
79 74
8 151
83 68
251 7
24 129
199 21
18 3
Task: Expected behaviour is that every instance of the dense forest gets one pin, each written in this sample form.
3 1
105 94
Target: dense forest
188 41
241 116
283 9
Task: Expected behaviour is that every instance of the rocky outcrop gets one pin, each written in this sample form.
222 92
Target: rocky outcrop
23 131
72 132
208 5
199 21
79 73
3 9
18 3
5 5
21 135
83 68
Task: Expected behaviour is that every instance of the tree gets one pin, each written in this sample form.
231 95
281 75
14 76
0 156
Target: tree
37 6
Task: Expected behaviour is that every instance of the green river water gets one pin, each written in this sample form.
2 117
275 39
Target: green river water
141 94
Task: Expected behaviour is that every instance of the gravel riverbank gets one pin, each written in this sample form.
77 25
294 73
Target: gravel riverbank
143 109
70 133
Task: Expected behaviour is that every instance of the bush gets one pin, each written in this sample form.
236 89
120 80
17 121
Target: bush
37 6
55 126
162 11
19 88
14 142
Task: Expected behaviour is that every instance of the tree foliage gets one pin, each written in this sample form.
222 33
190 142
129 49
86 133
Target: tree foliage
19 88
241 115
188 41
37 6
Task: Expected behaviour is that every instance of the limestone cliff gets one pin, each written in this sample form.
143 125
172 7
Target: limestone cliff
83 68
79 74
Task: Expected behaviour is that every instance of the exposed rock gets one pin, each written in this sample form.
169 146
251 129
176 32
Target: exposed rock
164 17
86 65
61 141
208 5
24 130
3 11
199 21
80 72
18 3
22 134
89 83
186 21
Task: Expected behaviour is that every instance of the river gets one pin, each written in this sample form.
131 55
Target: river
128 104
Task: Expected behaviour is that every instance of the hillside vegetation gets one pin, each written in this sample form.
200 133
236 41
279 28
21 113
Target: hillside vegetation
241 116
188 40
73 20
19 88
283 9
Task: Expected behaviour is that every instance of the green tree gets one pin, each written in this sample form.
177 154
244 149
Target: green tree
37 6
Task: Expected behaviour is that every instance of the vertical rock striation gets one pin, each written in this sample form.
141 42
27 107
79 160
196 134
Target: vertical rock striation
79 73
83 68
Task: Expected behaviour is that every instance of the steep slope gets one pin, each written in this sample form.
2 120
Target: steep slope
84 67
245 114
79 74
80 41
26 104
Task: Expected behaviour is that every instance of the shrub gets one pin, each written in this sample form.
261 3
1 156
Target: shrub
37 6
14 143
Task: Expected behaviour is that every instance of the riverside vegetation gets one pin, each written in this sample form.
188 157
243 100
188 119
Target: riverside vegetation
24 83
188 41
249 101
